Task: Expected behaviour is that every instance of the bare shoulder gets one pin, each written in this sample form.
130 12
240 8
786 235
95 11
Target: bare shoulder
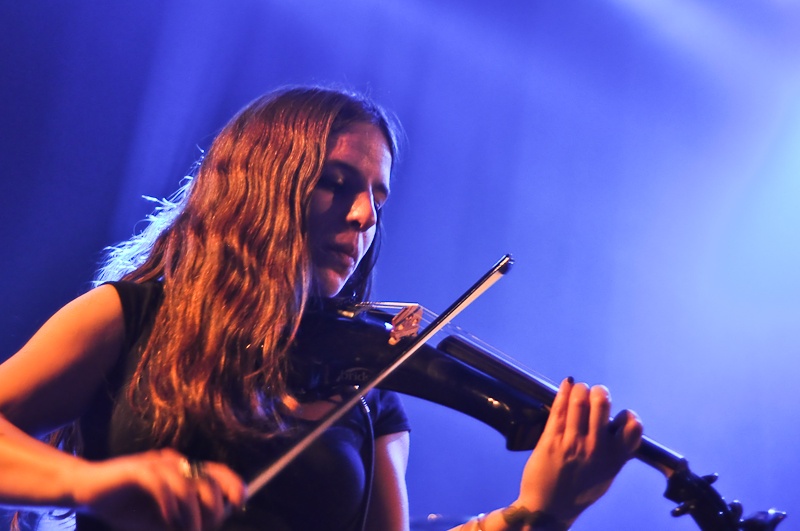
50 381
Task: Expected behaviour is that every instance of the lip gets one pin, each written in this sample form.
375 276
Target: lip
348 250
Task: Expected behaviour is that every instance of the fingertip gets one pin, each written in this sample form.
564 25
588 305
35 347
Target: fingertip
633 422
239 498
564 389
581 391
600 392
638 432
620 426
630 431
624 417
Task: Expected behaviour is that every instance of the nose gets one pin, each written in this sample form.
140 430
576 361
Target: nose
363 214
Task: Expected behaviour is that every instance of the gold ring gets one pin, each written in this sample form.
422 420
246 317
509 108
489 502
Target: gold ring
197 469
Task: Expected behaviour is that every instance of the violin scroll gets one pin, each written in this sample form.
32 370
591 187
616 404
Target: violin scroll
763 520
708 509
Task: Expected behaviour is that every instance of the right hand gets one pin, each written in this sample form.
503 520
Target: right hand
153 491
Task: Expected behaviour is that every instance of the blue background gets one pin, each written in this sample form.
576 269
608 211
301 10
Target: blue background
641 160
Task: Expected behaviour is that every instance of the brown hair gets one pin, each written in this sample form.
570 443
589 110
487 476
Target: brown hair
231 252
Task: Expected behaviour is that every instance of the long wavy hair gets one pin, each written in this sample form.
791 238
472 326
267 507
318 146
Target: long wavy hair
231 251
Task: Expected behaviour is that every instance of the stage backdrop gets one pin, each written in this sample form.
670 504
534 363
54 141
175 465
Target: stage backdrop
641 160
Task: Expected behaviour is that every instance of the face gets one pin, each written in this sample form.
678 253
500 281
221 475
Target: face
343 213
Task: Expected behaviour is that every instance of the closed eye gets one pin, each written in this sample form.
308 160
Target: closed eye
341 178
331 180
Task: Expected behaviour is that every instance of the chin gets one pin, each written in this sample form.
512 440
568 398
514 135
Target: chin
330 293
329 285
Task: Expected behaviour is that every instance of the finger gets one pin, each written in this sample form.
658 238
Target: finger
212 504
554 428
192 514
234 490
600 401
166 501
578 412
178 474
629 436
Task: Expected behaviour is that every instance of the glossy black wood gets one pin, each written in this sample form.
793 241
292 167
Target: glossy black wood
335 351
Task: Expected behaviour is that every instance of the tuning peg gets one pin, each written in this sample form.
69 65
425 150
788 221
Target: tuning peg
763 520
711 478
736 509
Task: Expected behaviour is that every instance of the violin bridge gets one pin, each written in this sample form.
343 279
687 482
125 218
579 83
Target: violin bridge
405 323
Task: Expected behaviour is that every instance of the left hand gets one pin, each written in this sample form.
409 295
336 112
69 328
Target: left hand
579 453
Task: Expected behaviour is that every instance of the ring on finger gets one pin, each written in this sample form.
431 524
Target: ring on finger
197 469
192 469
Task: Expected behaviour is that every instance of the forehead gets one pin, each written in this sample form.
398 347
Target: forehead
364 147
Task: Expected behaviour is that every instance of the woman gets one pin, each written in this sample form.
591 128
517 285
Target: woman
177 376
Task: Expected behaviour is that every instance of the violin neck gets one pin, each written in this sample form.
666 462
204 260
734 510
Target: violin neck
650 452
660 457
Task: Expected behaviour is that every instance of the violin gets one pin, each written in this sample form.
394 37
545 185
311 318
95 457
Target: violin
366 345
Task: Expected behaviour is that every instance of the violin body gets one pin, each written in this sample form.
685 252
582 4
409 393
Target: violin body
337 350
334 353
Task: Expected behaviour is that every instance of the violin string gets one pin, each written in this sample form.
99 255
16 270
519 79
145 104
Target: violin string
453 329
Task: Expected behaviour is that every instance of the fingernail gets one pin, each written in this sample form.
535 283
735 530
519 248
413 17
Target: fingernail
571 380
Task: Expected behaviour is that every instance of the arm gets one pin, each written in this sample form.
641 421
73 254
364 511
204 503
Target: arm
49 383
577 457
388 509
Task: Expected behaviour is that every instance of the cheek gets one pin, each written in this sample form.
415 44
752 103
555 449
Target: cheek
318 209
369 238
319 204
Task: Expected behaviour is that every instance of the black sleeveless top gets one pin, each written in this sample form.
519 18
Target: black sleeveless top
323 489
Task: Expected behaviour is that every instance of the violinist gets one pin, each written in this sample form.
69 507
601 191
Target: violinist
166 386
